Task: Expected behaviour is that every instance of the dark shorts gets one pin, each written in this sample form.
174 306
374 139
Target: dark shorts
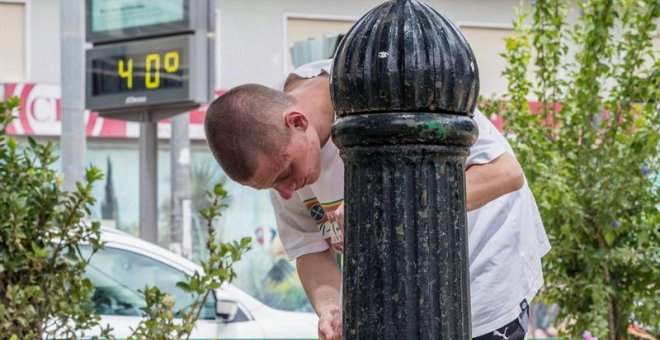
514 330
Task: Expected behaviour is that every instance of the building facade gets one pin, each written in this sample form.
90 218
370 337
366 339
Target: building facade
254 37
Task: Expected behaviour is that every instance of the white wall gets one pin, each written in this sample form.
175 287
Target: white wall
13 49
44 41
252 34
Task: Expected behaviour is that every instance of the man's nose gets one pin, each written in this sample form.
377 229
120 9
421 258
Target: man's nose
285 189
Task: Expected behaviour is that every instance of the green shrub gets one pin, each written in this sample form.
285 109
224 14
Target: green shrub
590 153
43 292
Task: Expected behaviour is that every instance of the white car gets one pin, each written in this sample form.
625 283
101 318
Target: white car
128 264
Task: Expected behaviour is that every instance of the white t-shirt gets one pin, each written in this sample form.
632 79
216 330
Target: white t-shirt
506 238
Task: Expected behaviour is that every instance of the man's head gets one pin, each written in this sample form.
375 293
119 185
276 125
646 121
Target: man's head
261 138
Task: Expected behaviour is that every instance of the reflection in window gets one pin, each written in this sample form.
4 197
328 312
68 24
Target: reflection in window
119 275
311 39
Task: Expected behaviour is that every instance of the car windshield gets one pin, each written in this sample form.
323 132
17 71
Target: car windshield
120 275
111 296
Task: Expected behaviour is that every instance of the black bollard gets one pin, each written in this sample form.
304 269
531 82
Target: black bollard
405 84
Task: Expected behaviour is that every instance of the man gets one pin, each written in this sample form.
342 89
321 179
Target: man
280 140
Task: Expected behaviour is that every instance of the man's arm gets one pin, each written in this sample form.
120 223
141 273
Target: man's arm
321 279
486 182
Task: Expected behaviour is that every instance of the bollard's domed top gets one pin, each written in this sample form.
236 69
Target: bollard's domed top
404 56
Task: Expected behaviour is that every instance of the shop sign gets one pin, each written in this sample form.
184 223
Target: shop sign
40 114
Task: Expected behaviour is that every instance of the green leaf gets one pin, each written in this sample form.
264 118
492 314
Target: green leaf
32 142
610 236
183 285
245 241
215 285
39 253
221 273
219 190
71 253
13 102
11 143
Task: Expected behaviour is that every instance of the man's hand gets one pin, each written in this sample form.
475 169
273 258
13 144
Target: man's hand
321 279
337 216
330 325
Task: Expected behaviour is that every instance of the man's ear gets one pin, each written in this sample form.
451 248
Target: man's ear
296 120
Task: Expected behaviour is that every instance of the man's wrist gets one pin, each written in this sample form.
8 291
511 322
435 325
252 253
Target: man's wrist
329 309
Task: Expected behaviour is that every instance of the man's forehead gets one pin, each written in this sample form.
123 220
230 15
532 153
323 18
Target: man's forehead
268 168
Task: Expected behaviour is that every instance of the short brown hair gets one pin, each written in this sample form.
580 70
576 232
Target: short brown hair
243 123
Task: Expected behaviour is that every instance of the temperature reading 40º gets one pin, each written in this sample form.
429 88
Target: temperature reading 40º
152 68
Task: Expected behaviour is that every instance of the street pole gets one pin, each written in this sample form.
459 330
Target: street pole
149 179
72 66
180 239
404 85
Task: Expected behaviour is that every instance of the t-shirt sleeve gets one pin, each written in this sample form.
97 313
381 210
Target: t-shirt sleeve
309 70
489 145
297 230
314 69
